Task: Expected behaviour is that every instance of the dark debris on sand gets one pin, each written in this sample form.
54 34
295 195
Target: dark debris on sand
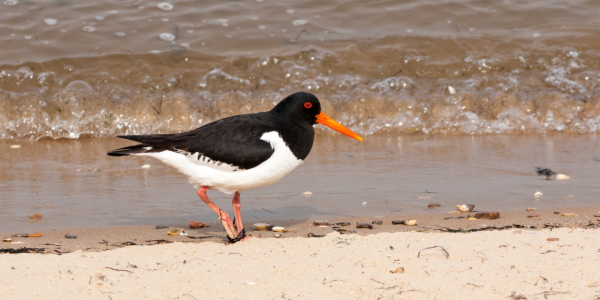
23 250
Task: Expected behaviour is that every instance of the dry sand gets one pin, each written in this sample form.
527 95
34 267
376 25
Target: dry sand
480 265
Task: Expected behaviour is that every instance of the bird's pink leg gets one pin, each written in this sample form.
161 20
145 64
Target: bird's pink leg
238 215
236 211
223 216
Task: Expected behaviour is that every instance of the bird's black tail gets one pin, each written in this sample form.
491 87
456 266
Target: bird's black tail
136 149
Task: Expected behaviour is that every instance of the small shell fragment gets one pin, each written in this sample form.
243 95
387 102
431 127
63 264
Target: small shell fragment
472 219
278 229
145 167
307 193
562 177
177 231
321 223
451 90
377 222
277 235
433 205
290 230
39 234
35 216
530 209
410 222
569 215
533 216
263 226
455 212
7 240
161 226
70 236
465 207
15 146
20 235
552 239
399 270
364 225
538 194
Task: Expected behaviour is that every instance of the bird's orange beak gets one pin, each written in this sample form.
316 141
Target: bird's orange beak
329 122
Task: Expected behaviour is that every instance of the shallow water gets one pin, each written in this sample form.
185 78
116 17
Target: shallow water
105 68
382 176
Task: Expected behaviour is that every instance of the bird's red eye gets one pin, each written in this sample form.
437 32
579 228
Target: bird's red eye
308 105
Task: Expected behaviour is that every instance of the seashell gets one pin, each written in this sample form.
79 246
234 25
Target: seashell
465 207
488 215
39 234
263 226
562 177
377 222
410 222
145 167
399 270
454 212
533 216
472 219
433 205
70 236
278 229
552 239
530 209
569 215
35 216
277 235
15 146
364 225
177 231
7 240
196 224
451 90
538 194
307 193
321 223
20 235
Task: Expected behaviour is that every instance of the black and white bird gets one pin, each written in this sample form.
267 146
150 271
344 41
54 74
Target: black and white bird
240 152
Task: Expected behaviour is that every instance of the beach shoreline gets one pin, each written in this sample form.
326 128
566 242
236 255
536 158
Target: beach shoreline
444 219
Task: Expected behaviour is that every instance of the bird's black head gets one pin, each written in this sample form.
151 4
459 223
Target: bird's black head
301 107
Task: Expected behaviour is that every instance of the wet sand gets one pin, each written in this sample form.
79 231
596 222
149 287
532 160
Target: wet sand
108 238
73 184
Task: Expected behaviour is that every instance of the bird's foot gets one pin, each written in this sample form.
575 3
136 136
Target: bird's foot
241 237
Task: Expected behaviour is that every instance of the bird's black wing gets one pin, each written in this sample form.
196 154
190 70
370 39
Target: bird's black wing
234 140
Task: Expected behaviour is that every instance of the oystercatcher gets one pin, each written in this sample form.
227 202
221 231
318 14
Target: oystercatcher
240 152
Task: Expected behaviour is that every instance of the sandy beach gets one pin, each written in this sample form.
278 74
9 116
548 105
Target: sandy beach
510 264
547 257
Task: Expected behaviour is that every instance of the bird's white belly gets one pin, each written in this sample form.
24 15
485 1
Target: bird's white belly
229 179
